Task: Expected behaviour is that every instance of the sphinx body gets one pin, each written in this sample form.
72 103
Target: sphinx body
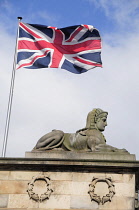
87 139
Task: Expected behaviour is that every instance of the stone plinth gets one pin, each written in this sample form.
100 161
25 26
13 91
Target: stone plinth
66 180
64 155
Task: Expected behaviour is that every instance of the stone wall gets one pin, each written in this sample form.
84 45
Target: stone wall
69 190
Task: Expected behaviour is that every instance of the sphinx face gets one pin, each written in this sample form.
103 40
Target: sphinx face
101 123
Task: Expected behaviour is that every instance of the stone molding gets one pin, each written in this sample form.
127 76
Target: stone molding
53 164
70 155
34 195
105 198
137 199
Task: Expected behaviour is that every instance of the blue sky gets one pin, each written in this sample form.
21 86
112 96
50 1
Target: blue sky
103 14
51 98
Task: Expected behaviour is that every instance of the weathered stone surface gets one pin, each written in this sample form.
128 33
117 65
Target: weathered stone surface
80 188
119 203
4 175
65 176
125 189
3 201
13 187
56 201
62 187
43 209
41 164
80 155
122 178
20 175
84 202
87 177
101 189
40 187
21 201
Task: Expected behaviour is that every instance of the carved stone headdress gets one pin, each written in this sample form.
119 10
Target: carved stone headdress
93 116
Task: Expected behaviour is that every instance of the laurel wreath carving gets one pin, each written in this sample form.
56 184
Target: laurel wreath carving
34 195
105 198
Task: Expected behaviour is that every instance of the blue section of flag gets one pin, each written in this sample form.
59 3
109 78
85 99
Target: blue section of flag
40 63
24 34
24 55
95 56
44 29
72 67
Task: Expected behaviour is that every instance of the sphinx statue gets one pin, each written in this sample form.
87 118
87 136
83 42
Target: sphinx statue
88 139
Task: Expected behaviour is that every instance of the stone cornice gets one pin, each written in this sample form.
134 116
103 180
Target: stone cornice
68 164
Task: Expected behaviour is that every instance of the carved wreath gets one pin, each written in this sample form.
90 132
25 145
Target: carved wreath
105 198
34 195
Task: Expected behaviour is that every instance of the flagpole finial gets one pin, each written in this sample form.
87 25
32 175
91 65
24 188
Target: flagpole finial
19 18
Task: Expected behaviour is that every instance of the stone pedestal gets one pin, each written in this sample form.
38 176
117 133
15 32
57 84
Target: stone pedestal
59 180
68 155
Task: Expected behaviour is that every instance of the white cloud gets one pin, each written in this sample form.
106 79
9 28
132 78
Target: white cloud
124 13
52 19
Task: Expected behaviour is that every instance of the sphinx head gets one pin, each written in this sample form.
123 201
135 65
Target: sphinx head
97 119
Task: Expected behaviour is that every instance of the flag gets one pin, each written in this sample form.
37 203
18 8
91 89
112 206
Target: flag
75 48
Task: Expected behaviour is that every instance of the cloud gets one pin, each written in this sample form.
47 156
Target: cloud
31 15
124 13
52 19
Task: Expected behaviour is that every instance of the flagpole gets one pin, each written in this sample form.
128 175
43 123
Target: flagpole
6 132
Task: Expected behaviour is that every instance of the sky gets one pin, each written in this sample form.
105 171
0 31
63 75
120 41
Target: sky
46 99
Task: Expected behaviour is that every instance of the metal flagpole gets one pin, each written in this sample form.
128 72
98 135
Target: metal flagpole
10 97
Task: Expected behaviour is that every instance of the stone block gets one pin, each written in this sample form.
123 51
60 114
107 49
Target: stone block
4 175
82 202
80 188
65 176
80 155
4 201
21 201
125 189
40 187
86 177
22 175
56 202
118 203
25 175
13 187
62 187
47 209
101 189
17 209
122 178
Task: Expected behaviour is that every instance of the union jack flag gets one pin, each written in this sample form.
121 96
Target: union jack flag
75 48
